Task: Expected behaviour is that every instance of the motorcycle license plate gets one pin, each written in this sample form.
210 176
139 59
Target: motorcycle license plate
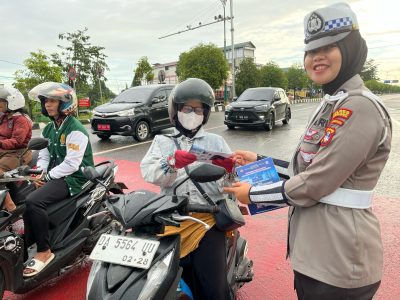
127 251
103 127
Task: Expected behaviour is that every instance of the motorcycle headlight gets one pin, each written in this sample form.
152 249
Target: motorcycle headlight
156 276
261 107
125 113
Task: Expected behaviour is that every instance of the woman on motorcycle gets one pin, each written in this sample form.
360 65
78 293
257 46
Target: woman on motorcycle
203 252
15 133
68 151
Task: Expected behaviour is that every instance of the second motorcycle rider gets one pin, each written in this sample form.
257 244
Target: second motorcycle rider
202 252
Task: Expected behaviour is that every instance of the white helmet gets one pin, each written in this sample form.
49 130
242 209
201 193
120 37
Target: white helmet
15 100
58 91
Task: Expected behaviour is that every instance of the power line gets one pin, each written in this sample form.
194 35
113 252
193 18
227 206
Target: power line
200 14
192 28
10 62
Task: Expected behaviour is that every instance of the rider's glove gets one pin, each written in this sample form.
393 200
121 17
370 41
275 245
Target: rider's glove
183 158
226 163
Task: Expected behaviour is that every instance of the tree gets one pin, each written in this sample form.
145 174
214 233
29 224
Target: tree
297 77
39 68
88 60
143 72
206 62
272 75
369 71
247 76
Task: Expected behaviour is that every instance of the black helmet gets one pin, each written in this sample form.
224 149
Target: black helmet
192 88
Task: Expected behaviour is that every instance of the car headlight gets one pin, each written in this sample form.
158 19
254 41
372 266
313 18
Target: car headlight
261 107
156 276
125 113
228 108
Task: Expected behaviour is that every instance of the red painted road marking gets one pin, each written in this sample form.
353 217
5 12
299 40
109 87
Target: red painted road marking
266 234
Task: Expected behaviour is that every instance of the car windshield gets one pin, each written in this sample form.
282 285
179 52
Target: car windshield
138 95
256 95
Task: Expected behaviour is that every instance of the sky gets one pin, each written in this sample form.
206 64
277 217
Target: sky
130 29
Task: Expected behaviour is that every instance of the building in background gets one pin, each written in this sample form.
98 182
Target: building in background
242 51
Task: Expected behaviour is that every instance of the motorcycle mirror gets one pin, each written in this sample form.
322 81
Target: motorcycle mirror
206 173
38 143
90 173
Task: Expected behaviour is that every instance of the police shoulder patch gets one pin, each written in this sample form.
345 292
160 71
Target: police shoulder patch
329 133
343 113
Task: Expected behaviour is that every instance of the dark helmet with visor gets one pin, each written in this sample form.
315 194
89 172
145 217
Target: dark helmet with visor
191 89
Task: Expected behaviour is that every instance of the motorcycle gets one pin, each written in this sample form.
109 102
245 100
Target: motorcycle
134 262
72 234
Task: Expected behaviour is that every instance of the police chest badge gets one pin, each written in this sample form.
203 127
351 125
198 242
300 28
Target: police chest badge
314 24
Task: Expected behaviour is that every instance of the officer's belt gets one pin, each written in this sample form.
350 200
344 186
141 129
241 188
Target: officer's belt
349 198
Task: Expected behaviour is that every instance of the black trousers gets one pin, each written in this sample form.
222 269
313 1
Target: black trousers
204 269
308 288
35 217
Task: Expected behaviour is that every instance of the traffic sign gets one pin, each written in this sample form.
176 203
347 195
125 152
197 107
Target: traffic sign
71 73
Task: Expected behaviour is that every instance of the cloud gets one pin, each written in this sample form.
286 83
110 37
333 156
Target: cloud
131 29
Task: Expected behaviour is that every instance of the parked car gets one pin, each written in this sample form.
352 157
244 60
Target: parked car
138 111
259 107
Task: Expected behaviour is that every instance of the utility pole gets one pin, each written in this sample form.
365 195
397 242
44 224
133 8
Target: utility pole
225 88
233 52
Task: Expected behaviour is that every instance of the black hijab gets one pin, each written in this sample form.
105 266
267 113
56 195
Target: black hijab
354 53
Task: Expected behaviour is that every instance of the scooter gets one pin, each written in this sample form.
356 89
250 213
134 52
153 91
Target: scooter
133 262
72 234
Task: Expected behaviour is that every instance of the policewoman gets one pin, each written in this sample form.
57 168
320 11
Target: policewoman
334 240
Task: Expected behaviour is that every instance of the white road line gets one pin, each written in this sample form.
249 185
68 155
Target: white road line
120 148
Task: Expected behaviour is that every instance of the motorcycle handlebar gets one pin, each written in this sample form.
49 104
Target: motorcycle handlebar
34 171
200 208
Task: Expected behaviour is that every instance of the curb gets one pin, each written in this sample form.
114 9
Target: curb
306 100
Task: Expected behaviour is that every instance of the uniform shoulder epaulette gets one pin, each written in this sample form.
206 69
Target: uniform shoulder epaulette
338 97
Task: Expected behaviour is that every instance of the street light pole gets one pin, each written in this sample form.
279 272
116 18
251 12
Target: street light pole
233 52
225 88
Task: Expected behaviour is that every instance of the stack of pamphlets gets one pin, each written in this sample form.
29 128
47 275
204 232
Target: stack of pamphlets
259 173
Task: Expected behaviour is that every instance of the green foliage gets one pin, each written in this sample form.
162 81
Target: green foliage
272 75
206 62
88 60
369 71
297 77
248 76
144 71
379 87
39 68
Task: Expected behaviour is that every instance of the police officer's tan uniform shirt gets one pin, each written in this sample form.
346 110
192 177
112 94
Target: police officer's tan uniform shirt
337 245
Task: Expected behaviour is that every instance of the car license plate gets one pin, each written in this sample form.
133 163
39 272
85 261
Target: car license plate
241 117
103 126
127 251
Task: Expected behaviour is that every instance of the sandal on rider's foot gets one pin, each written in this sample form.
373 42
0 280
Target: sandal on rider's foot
37 266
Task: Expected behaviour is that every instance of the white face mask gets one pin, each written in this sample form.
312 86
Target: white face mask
191 120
